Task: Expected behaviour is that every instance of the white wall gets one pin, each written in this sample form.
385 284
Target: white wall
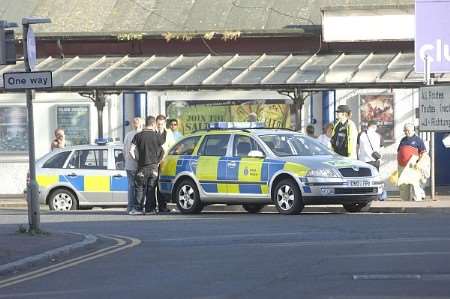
14 167
368 25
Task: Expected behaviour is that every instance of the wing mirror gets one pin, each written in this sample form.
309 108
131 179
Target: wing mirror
256 154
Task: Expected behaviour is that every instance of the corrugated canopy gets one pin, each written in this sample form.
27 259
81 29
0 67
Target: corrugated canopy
231 72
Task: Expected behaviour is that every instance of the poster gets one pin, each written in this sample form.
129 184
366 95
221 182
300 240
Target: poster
74 119
380 108
13 129
195 115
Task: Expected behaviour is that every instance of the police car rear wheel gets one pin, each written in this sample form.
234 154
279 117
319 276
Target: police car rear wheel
187 198
253 208
288 198
62 200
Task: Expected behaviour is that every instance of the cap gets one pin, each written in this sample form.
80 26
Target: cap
343 108
372 123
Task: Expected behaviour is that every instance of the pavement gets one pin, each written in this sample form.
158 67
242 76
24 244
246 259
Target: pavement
20 251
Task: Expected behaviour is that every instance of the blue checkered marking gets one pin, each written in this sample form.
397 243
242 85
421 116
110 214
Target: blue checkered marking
270 167
184 163
77 182
307 189
119 183
250 188
210 187
165 186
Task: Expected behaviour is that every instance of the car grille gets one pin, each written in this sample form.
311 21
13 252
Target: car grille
351 173
355 190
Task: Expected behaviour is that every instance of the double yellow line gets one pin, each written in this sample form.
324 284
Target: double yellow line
122 243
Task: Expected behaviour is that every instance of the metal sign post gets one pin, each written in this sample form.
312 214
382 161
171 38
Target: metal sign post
32 187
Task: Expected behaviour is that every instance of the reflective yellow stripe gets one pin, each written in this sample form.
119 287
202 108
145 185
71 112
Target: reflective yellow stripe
222 188
250 170
207 168
295 168
47 180
169 166
96 183
233 188
264 189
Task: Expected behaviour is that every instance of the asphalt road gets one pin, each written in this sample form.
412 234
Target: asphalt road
237 255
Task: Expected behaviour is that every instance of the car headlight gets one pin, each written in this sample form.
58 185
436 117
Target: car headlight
325 172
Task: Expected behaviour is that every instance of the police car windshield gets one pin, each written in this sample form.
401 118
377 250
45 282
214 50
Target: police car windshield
294 145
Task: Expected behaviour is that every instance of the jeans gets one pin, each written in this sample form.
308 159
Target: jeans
145 184
132 203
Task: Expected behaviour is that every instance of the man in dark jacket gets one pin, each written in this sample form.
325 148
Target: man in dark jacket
148 144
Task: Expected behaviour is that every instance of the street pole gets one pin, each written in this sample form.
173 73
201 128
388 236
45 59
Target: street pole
32 187
428 82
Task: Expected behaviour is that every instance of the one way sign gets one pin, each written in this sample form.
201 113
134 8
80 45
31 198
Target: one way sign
30 80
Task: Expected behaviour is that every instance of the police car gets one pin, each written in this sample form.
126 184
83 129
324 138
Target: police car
245 164
83 176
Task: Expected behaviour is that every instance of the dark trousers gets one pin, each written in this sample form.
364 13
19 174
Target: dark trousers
145 183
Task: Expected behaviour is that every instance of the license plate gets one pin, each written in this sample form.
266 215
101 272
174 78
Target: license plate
359 183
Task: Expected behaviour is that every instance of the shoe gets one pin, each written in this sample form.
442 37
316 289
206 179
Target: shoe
164 210
149 212
174 210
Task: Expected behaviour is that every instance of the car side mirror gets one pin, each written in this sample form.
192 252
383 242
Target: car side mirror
256 154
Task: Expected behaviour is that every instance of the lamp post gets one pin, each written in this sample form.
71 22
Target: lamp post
32 187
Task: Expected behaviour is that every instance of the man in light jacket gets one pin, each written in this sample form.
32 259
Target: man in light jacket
130 163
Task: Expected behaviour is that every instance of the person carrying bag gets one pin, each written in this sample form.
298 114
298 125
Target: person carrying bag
370 145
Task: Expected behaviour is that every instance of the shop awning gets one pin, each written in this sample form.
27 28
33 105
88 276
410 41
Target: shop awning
331 71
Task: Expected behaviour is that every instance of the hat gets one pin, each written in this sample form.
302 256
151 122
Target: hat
343 108
372 123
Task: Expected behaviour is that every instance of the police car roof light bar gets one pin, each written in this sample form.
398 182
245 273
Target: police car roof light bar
103 141
235 125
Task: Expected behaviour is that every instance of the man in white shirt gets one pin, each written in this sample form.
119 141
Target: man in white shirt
131 164
369 141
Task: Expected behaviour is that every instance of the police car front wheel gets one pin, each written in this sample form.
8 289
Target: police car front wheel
188 198
62 200
287 197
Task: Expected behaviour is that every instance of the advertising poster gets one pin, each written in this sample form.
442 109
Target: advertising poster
195 115
13 129
381 109
74 119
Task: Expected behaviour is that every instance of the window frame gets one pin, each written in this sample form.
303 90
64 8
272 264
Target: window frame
252 140
205 139
88 150
69 154
172 150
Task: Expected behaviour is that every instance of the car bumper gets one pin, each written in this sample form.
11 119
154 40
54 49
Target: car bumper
339 191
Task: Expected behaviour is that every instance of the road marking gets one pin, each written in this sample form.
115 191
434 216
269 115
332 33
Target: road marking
120 245
387 277
354 242
416 276
393 254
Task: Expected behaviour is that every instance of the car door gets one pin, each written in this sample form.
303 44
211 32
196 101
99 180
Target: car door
118 176
87 171
179 160
211 167
246 175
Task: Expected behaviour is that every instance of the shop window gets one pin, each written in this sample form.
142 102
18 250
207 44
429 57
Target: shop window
13 129
74 119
